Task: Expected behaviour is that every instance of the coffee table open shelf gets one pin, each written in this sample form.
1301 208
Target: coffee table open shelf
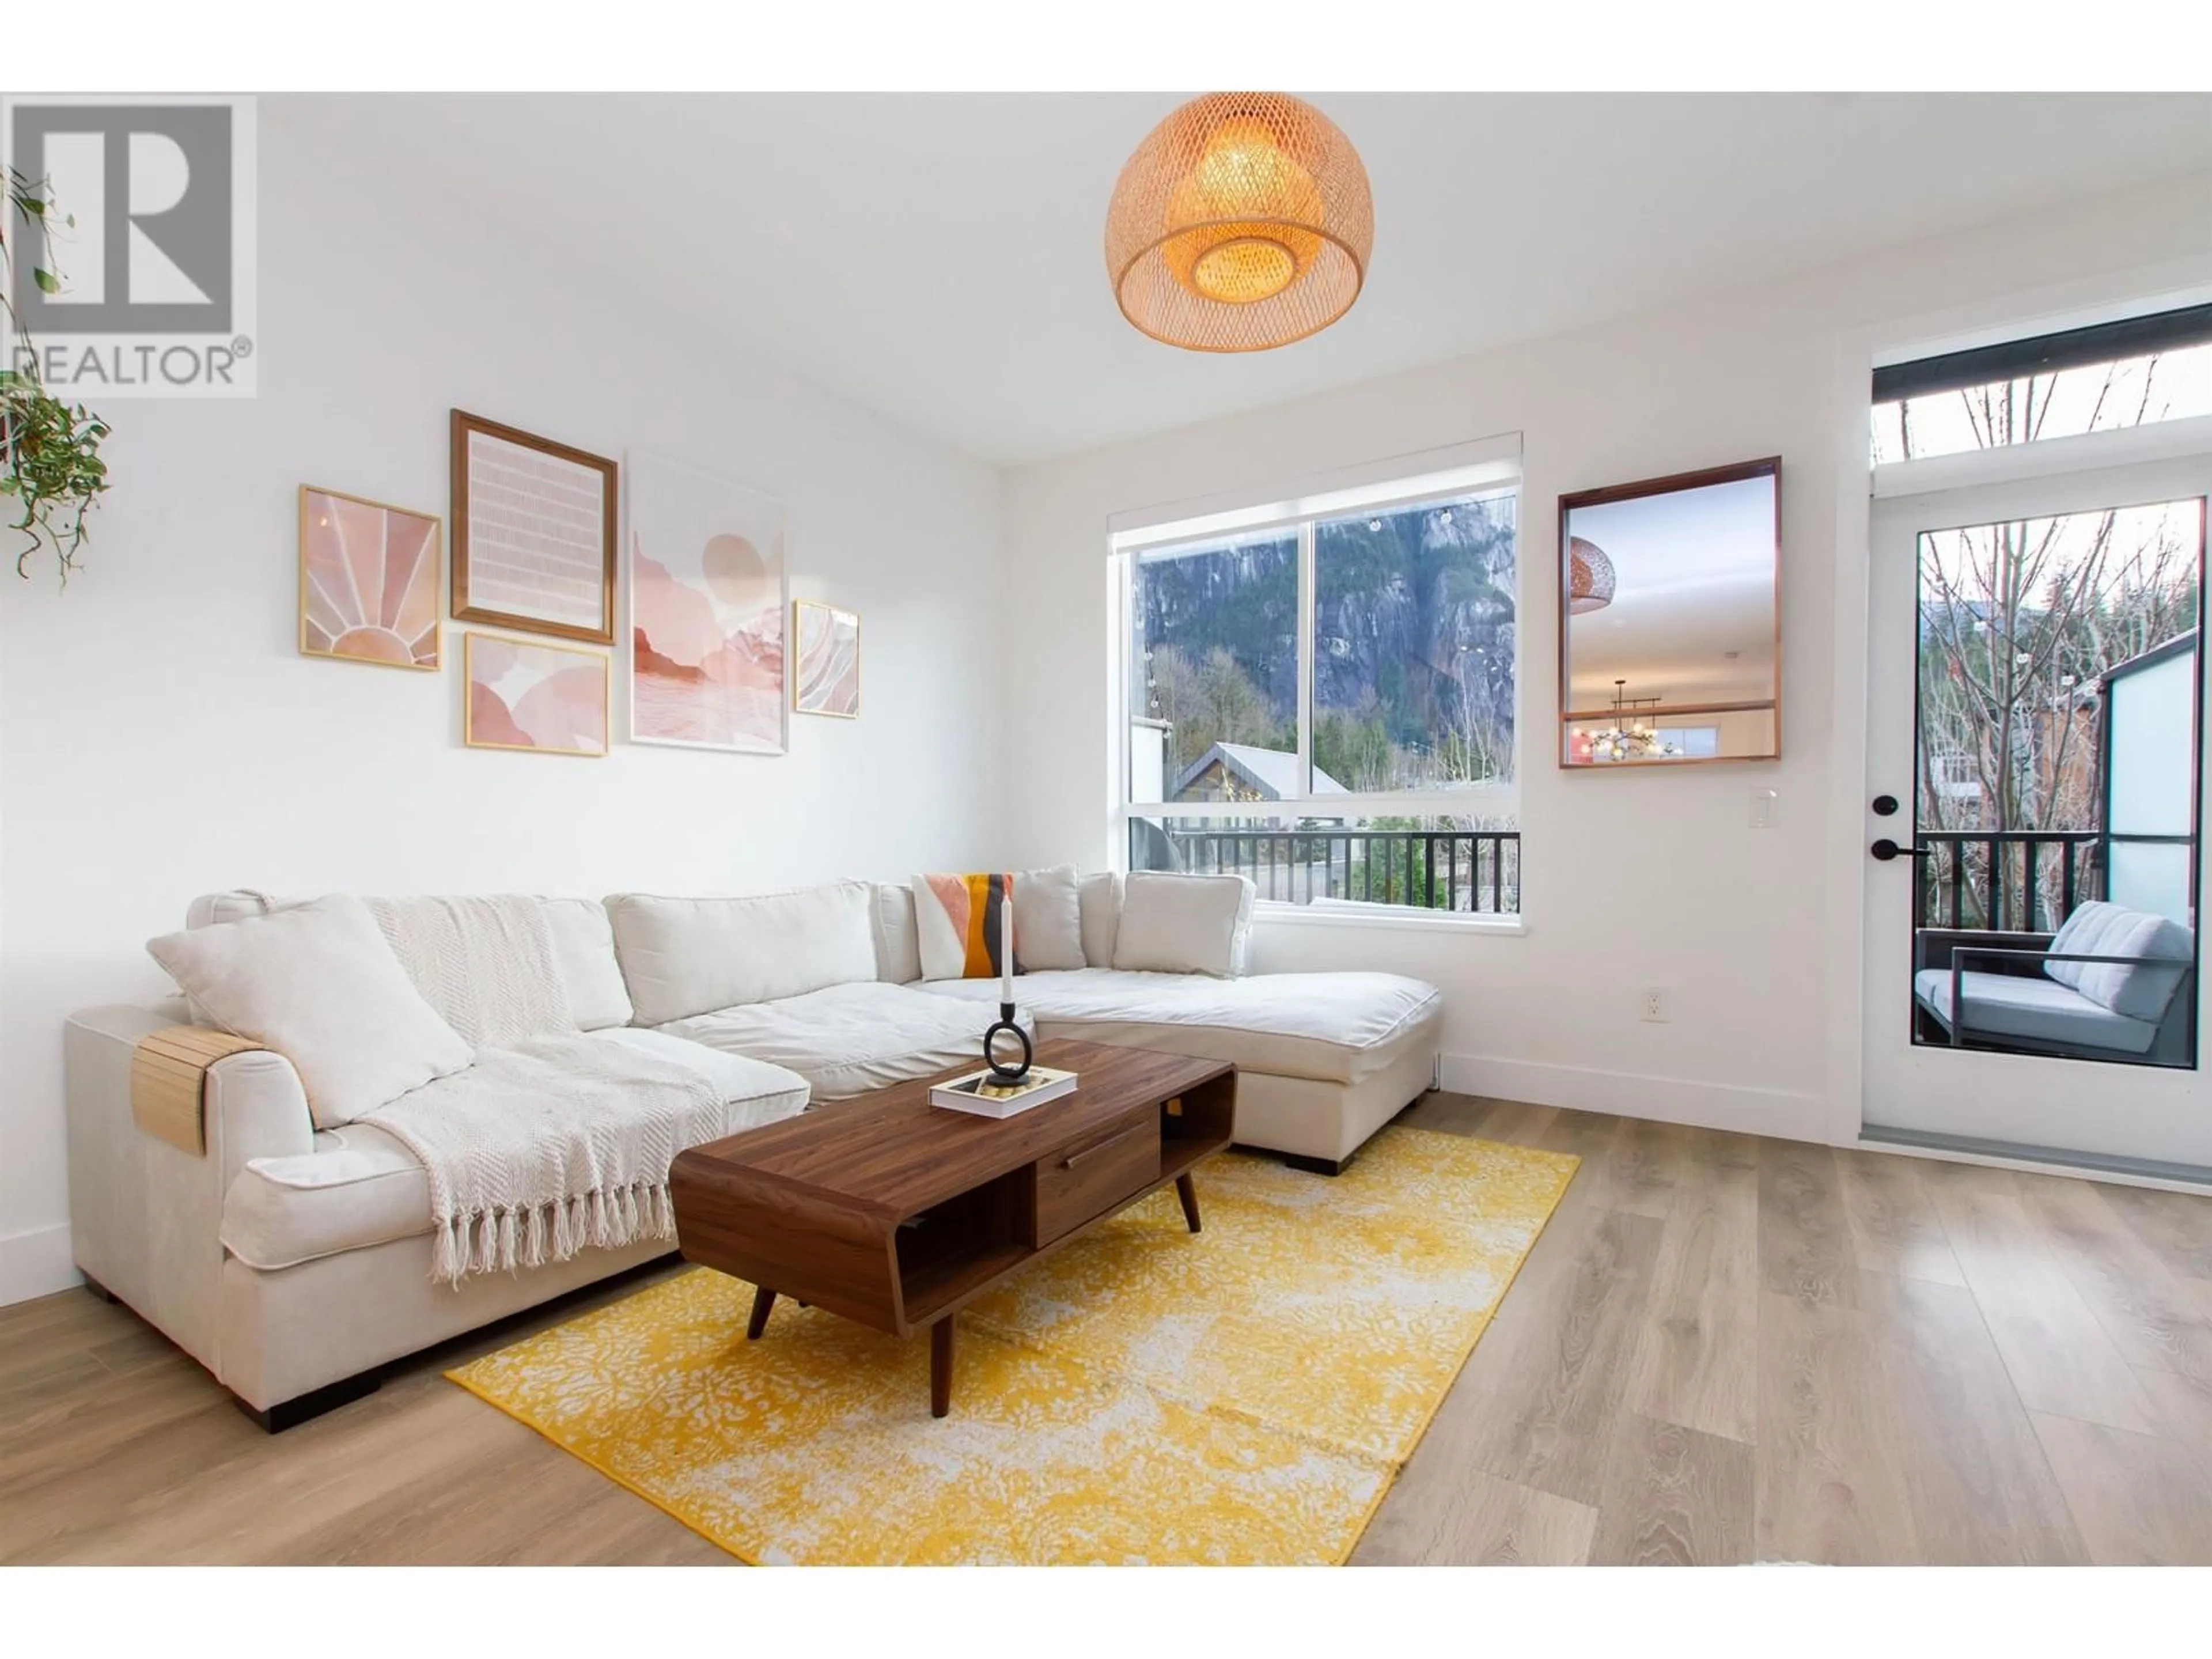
893 1212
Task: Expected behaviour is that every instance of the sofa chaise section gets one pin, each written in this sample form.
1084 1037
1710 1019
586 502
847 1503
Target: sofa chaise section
1323 1060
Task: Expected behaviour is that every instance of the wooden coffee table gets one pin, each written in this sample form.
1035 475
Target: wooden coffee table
895 1212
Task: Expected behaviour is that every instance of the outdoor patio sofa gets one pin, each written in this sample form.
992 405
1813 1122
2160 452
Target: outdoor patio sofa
2113 983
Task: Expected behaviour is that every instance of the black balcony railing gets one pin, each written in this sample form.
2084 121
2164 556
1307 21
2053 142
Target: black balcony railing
1468 869
2005 880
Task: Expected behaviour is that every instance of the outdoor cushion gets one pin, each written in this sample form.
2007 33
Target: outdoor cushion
1333 1028
848 1039
2099 929
2005 1005
682 957
361 1187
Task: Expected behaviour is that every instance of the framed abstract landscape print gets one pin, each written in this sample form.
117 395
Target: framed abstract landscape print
522 694
369 576
706 611
533 533
826 660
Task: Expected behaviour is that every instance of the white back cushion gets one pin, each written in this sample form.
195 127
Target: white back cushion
1175 924
583 948
1048 919
316 983
1099 901
898 940
682 957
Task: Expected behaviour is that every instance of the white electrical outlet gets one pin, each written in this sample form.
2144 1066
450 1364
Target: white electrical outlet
1654 1004
1762 809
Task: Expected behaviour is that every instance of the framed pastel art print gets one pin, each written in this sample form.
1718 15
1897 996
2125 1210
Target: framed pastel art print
551 699
369 576
533 532
825 644
706 611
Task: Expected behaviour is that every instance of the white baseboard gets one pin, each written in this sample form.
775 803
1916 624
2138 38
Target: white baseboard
36 1263
1777 1112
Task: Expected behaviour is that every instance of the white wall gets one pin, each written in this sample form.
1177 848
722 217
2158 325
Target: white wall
163 737
1629 879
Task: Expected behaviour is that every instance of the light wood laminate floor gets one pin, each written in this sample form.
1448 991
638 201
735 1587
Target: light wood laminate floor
1722 1349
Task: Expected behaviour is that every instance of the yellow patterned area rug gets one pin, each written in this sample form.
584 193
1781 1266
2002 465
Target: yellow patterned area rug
1243 1395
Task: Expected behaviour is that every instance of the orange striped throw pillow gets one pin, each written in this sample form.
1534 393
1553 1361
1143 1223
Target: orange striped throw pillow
965 925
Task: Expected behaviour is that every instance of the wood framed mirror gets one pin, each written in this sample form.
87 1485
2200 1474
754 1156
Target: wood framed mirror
1670 620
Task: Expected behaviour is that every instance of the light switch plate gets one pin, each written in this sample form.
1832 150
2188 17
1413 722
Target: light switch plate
1762 809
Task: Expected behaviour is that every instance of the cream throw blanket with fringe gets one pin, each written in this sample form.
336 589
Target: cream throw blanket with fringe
556 1146
485 965
552 1142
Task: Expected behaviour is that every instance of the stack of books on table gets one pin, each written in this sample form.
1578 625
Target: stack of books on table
980 1093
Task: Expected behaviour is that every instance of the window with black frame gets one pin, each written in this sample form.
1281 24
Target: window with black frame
1327 705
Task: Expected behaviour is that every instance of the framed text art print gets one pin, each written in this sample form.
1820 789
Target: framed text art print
533 532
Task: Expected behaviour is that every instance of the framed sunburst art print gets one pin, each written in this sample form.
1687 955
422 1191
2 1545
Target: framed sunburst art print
370 575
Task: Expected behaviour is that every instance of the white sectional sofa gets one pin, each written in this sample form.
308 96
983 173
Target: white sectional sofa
293 1262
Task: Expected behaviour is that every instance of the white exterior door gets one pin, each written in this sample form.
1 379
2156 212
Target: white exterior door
2004 809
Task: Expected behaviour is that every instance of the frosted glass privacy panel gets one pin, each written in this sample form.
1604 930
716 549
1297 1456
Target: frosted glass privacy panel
1670 620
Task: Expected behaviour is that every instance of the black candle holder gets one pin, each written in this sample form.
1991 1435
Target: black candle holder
1002 1073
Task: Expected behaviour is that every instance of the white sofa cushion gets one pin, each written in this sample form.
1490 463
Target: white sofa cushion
583 949
1048 919
316 983
361 1187
1099 899
1174 923
1333 1027
898 942
848 1039
682 957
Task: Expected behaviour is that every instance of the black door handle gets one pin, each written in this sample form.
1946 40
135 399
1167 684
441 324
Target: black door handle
1886 849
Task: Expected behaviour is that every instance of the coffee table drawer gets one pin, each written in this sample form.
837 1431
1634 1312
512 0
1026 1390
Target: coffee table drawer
1081 1182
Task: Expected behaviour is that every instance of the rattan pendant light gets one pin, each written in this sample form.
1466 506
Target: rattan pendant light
1589 576
1243 221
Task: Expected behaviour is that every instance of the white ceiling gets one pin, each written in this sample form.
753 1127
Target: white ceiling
937 257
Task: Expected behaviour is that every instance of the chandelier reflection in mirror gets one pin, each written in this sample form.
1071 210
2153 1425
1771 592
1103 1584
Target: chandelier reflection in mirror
1631 736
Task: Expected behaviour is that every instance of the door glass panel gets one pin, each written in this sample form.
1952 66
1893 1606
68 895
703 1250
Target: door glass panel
2057 691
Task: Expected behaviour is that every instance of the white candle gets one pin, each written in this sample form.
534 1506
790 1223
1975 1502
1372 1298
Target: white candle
1006 946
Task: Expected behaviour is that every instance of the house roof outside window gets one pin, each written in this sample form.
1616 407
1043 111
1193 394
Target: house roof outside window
1253 774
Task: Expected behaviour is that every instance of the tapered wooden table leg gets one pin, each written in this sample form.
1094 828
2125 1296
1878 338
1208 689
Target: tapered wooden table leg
1189 1194
763 1299
940 1367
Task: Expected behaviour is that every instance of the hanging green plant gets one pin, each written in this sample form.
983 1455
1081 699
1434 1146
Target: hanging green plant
51 470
